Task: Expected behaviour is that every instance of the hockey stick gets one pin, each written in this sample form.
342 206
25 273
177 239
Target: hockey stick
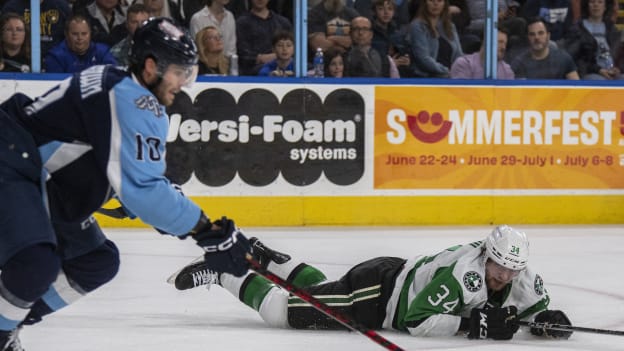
322 307
570 328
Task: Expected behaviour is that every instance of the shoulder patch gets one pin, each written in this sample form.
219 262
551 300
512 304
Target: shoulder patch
538 285
473 281
150 103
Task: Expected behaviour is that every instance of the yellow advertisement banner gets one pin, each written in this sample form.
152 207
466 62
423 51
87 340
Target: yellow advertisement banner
451 137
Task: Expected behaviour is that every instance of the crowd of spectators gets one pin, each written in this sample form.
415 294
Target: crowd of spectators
537 39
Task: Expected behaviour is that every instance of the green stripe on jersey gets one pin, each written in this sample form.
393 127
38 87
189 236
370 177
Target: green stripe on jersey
340 300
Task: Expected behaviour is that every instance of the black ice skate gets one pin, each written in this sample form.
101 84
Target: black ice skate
193 275
9 340
197 274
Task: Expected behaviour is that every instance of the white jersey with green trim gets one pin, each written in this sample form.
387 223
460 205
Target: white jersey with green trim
432 293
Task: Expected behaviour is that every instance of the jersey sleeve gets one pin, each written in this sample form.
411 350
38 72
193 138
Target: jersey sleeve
136 162
436 309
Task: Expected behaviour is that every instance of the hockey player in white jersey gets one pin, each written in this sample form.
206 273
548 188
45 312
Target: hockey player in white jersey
98 134
479 290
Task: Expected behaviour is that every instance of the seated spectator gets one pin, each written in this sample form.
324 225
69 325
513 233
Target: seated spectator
215 14
328 25
433 39
334 63
557 13
104 15
283 65
15 44
366 8
284 8
238 7
469 19
162 8
254 30
135 16
188 8
212 60
387 38
471 66
77 51
592 41
618 16
542 60
362 59
53 16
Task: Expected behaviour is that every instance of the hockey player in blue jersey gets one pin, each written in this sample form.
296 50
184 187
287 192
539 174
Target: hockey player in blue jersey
98 134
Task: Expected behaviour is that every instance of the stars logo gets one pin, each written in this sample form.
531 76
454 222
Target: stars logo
538 285
473 281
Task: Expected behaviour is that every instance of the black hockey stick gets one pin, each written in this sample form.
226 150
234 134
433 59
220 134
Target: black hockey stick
322 307
570 328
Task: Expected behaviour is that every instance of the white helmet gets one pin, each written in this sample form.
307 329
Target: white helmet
508 247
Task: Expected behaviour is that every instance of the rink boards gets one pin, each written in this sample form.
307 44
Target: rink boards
353 152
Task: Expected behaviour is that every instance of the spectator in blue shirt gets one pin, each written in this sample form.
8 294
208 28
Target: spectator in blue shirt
77 51
284 48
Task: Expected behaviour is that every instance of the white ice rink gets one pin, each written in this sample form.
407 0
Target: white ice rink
582 267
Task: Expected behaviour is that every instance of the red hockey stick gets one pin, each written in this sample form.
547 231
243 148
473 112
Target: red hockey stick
322 307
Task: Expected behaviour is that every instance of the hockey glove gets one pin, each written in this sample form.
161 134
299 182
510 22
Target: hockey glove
552 317
494 323
225 248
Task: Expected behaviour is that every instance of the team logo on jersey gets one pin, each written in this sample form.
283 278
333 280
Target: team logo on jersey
149 102
473 281
538 285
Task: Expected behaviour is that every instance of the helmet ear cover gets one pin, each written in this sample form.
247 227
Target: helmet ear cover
508 247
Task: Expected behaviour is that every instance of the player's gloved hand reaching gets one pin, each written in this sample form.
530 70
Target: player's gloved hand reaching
494 323
552 317
225 247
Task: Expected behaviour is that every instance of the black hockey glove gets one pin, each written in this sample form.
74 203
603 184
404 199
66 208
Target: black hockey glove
494 323
225 247
552 317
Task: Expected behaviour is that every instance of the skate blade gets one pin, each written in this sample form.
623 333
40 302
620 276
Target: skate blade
171 280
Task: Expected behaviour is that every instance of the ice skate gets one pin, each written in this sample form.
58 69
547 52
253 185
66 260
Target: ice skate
9 340
193 275
197 274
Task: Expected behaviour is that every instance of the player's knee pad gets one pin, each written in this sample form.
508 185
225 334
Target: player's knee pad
94 269
274 308
28 274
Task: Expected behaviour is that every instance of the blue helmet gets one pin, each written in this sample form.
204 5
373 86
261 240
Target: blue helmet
161 39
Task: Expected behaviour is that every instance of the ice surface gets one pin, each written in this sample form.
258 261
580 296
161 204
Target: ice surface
138 311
